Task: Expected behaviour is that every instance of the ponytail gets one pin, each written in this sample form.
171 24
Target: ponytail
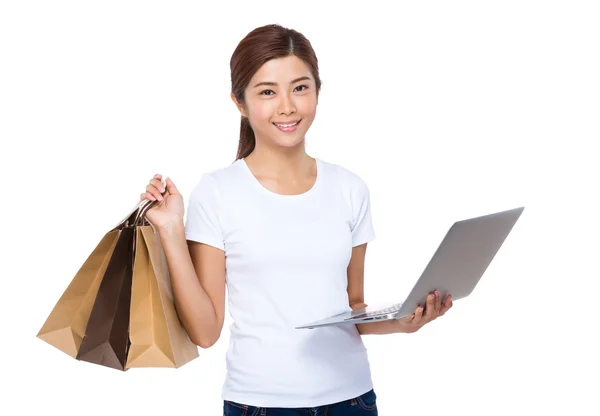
247 139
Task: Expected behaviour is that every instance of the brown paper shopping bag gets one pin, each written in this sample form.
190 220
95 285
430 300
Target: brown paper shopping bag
158 338
65 326
119 309
106 340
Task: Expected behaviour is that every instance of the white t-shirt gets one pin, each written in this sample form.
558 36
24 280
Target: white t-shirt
286 265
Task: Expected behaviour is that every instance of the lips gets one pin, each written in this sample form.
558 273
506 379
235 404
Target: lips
287 125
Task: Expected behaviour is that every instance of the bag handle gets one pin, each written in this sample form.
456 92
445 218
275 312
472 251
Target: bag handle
141 215
137 215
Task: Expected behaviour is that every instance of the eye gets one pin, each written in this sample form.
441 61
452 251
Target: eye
263 92
302 86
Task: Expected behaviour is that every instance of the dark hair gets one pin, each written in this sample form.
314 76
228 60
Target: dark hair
259 46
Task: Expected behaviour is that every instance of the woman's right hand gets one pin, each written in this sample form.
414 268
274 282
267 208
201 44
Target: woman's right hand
170 205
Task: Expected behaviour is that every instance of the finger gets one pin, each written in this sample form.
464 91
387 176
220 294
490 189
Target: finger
158 185
171 188
430 307
157 181
418 316
146 195
152 190
447 305
438 302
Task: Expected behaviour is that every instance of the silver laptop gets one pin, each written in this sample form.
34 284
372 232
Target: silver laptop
456 267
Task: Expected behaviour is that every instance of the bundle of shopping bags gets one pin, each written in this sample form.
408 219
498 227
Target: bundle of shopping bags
118 311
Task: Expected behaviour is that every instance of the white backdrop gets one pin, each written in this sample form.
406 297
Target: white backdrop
447 109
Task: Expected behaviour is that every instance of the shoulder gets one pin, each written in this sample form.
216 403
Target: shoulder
218 179
355 193
348 179
224 174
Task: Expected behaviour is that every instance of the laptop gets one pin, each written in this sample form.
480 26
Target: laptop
455 268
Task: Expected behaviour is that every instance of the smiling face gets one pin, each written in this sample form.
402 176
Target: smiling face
280 102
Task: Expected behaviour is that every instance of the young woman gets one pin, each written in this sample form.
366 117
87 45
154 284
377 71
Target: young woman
287 234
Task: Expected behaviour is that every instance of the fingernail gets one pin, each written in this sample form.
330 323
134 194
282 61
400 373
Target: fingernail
431 297
437 294
160 198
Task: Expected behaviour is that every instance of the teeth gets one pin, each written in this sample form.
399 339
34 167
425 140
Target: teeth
286 125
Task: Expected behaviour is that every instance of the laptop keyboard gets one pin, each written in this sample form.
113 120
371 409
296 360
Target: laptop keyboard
385 311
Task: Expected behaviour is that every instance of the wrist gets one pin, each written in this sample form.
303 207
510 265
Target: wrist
401 327
398 327
172 227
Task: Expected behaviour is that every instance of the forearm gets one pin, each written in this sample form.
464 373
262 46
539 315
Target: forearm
194 307
377 328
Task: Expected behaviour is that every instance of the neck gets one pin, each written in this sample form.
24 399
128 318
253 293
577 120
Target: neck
280 163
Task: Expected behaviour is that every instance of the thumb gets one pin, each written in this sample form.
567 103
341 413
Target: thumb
171 188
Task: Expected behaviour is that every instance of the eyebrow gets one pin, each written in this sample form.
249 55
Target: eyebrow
275 84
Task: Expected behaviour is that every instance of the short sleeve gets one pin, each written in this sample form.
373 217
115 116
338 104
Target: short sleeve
362 223
202 220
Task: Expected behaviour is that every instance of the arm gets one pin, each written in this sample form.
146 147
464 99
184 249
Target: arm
197 274
356 272
356 294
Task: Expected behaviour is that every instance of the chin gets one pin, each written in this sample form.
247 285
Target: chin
287 140
289 144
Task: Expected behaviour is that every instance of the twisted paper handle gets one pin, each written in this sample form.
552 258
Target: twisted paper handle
137 216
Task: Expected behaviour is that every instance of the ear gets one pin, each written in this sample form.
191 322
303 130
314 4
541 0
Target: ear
239 105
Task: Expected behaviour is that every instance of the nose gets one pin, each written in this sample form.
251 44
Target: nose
286 105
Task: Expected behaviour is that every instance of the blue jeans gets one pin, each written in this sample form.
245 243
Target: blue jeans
364 405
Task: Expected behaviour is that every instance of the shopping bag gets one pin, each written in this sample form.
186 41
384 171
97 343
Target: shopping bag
157 336
106 340
64 328
118 324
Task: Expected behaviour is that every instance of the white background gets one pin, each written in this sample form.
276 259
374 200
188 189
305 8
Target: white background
447 109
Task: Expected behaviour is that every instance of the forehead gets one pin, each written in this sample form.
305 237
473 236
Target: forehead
281 70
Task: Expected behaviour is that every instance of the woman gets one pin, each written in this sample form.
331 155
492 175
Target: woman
287 235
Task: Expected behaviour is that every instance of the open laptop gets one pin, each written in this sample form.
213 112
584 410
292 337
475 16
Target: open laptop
456 267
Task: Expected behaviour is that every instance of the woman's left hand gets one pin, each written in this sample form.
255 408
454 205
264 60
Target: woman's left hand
434 308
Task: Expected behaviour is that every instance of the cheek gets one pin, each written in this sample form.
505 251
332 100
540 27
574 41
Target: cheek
308 108
261 113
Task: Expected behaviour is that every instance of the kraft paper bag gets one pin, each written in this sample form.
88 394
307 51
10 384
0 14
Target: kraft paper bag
119 310
65 327
106 340
158 338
